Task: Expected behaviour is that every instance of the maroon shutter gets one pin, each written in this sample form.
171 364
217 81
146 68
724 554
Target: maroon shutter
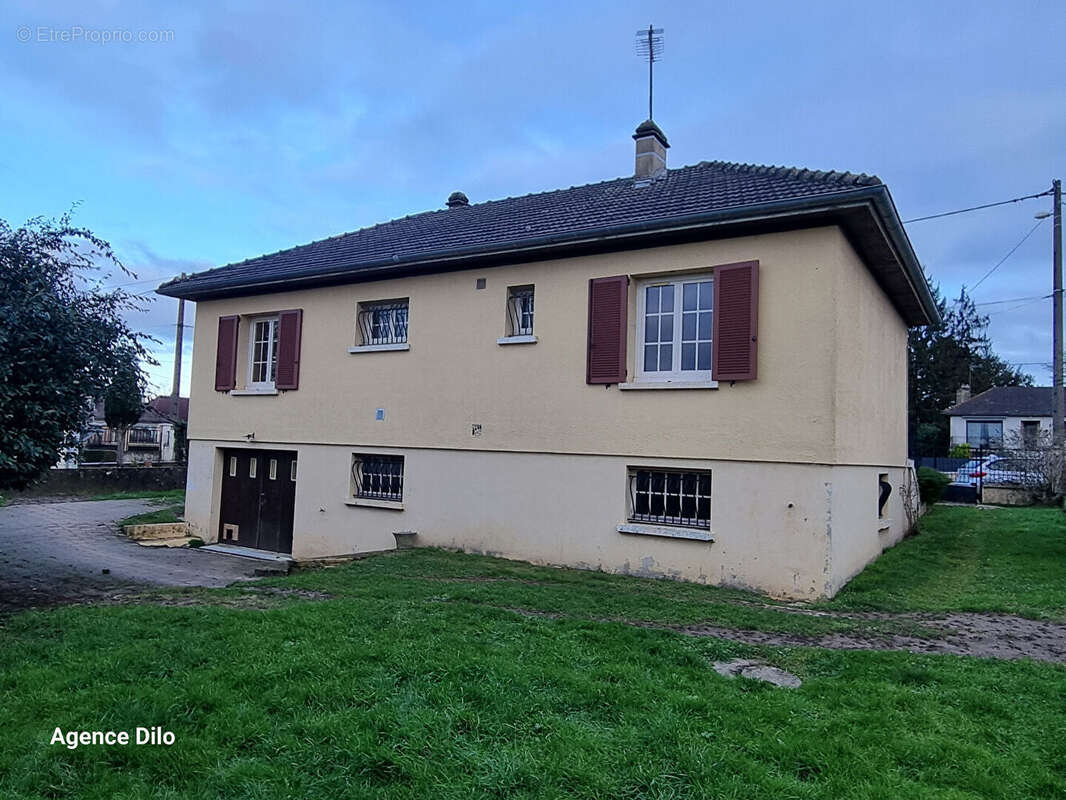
226 355
608 303
289 326
736 317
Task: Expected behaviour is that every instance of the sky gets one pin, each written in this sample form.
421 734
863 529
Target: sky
192 135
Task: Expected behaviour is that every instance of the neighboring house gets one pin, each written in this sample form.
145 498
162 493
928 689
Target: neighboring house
151 440
1003 415
698 373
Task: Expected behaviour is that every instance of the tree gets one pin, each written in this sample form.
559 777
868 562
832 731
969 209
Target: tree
943 357
124 399
61 340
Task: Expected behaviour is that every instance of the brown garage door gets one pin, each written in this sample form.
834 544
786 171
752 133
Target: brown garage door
258 499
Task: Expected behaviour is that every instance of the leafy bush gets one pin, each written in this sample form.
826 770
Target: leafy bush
931 484
960 451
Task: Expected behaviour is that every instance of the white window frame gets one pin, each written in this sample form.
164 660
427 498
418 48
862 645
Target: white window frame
676 375
271 354
516 312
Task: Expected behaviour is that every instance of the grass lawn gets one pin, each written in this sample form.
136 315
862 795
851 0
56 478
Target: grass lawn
414 678
970 559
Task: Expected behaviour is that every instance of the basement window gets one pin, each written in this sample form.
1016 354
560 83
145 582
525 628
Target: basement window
670 497
377 477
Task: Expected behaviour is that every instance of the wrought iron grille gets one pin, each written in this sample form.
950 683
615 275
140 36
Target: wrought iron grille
383 323
520 310
377 477
670 497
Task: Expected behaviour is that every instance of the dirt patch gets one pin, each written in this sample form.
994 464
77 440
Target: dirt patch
252 597
981 635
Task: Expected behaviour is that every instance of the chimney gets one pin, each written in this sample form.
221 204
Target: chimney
651 151
962 394
457 200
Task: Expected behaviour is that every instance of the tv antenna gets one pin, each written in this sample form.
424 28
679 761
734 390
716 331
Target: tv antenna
650 47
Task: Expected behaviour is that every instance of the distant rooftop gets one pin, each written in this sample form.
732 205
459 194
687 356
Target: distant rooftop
1007 401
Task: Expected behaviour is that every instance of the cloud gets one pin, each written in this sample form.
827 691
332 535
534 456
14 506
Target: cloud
264 125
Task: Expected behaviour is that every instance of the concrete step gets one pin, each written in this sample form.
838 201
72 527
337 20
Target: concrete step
276 564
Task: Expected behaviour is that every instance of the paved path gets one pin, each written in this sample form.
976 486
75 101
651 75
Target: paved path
58 553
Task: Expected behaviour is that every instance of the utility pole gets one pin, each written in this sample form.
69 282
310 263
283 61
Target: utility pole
176 390
1057 423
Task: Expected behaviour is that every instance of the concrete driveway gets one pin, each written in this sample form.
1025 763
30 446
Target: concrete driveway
70 552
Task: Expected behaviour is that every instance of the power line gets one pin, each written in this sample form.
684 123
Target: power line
1020 305
1039 222
978 208
1011 300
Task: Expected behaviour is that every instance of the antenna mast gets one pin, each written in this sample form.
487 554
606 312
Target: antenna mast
650 47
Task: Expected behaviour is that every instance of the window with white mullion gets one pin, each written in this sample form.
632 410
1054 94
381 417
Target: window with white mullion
263 354
675 329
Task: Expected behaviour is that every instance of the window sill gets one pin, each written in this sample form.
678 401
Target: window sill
643 529
367 502
524 339
253 392
668 385
379 348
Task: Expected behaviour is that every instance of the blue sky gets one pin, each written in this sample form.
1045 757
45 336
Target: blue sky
257 126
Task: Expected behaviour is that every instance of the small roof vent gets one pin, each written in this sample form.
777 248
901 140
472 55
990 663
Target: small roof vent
457 200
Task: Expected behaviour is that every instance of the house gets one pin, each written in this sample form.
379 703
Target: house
672 373
151 440
1012 416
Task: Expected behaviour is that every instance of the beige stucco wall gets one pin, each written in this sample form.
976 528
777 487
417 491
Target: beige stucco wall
794 454
534 397
789 530
870 375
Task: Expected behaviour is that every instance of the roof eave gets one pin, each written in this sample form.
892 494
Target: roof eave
789 213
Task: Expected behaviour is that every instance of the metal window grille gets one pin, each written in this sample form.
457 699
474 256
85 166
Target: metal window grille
670 497
377 477
520 310
383 323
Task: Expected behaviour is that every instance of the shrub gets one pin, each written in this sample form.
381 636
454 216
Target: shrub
960 451
931 485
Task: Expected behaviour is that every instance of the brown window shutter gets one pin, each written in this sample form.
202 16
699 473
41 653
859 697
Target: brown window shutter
226 355
736 318
608 304
290 324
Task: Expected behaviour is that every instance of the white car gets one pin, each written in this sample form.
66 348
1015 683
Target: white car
996 470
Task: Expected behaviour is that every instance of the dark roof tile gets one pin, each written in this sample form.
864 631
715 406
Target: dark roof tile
1007 401
705 187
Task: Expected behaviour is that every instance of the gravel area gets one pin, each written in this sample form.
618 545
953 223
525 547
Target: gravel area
71 552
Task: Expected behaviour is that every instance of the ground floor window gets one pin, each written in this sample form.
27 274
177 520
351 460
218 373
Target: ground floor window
984 433
670 497
377 477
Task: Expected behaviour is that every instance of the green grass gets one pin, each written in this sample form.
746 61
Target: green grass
413 680
970 559
169 514
162 495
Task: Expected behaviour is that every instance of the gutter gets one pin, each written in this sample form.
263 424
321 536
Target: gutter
876 198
